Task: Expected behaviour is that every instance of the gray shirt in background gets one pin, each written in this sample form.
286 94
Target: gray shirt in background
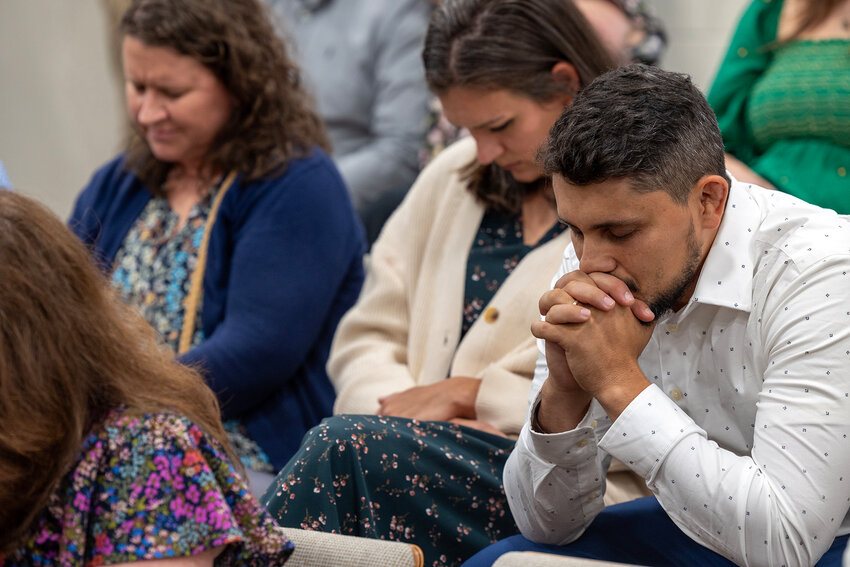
362 60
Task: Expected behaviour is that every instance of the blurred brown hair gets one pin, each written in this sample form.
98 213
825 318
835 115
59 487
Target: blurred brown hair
273 120
70 352
511 45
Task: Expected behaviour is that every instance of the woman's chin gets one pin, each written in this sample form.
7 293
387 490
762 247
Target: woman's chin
165 154
526 175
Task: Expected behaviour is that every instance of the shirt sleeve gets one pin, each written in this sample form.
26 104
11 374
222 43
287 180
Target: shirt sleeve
390 160
555 483
783 503
167 491
369 353
369 356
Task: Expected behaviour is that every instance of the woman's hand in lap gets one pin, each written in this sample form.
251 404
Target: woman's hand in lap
443 401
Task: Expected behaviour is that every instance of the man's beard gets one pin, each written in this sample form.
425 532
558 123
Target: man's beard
666 299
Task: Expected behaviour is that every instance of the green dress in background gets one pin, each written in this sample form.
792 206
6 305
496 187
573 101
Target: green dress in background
784 109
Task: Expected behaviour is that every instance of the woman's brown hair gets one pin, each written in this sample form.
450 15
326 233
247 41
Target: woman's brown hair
70 352
511 45
273 119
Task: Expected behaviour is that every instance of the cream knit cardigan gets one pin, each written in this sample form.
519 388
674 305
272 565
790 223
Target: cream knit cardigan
404 329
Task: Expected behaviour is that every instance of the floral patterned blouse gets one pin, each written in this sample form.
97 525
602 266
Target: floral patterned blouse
151 487
497 249
153 271
154 265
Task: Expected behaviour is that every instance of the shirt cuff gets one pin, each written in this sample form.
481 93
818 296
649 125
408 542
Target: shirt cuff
566 448
646 431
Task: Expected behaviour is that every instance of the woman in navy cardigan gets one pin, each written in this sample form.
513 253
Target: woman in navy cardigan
225 222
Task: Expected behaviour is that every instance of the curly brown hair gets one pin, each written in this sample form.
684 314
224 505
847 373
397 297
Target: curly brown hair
273 120
70 352
512 45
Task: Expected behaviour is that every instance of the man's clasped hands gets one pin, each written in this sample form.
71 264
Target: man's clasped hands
595 330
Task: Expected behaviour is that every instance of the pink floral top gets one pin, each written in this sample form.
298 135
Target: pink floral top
151 487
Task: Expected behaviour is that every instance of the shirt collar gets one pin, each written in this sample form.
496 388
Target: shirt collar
726 278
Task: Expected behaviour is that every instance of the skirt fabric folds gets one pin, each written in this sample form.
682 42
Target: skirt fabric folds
434 484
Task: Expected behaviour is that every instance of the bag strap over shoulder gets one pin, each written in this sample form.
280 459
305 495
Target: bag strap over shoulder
197 283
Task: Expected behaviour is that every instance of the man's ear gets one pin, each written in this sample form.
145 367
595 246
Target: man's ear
565 73
712 191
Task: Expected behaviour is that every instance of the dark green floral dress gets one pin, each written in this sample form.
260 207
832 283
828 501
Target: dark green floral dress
150 486
431 483
498 249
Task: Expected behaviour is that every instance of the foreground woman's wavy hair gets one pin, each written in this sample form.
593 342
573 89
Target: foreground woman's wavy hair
70 352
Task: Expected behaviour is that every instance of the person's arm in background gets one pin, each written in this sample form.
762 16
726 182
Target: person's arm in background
492 368
744 62
369 354
296 250
399 110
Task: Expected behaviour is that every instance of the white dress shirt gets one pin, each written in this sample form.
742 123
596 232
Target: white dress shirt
743 433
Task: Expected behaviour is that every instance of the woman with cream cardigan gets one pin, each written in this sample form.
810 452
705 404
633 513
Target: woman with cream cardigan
433 365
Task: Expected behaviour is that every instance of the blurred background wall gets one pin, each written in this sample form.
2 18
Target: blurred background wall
698 32
61 106
61 114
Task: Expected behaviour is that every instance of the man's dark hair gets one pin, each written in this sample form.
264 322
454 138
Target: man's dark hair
640 123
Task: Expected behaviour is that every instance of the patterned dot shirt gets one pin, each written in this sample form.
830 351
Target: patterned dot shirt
743 432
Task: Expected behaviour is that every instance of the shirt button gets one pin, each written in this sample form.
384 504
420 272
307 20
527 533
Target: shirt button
491 314
676 394
582 443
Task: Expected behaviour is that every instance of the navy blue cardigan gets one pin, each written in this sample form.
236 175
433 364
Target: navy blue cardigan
284 264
